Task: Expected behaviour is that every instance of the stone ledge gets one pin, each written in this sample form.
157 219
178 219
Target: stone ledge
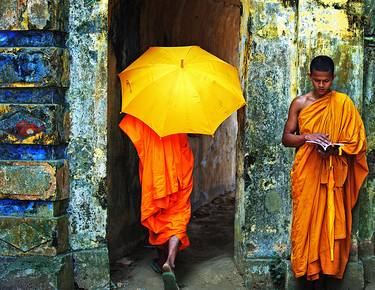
32 124
45 273
34 67
33 236
34 14
30 180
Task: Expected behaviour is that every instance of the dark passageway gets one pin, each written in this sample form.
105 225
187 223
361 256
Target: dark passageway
135 26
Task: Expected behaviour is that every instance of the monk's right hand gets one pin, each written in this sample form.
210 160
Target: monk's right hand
318 137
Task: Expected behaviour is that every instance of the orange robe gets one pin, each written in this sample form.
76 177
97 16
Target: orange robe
325 190
166 175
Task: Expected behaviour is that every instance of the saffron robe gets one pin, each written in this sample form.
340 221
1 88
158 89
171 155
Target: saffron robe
166 175
325 190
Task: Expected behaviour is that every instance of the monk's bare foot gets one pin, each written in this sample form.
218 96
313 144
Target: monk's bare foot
172 252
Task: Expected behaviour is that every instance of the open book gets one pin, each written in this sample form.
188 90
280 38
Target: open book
325 146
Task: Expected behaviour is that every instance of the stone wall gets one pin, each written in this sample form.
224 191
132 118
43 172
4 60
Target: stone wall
34 176
367 197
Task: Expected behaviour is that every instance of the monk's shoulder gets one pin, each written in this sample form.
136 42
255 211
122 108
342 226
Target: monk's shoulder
301 102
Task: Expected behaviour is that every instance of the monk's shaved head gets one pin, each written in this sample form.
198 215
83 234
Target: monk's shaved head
322 63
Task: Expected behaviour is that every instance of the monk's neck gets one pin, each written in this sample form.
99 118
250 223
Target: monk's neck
317 97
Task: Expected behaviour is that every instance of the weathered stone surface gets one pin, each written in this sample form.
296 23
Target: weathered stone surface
31 124
33 14
370 17
33 67
34 180
333 28
33 236
32 96
30 208
31 38
91 269
269 75
87 100
31 152
36 273
257 274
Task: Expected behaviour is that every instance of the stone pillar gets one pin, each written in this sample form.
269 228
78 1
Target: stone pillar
268 62
34 187
278 41
87 147
367 198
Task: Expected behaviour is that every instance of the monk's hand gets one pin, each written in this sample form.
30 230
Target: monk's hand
318 138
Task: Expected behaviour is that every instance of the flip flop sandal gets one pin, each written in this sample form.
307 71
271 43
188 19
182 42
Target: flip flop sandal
169 280
155 266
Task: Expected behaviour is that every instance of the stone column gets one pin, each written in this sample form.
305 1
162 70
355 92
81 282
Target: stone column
268 62
87 147
34 188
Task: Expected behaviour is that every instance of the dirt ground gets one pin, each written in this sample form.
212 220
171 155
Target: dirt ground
206 264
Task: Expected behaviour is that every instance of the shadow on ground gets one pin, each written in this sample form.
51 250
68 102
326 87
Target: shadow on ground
206 264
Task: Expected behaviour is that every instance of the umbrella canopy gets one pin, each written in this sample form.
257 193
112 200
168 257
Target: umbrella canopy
180 90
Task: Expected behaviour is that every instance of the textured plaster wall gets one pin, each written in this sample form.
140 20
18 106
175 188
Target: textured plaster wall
213 25
87 147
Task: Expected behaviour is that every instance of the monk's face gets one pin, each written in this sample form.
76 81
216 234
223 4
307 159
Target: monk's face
322 82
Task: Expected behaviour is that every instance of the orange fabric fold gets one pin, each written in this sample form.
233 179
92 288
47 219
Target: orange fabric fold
324 191
166 175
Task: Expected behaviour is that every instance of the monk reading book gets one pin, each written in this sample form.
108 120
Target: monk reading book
325 184
166 176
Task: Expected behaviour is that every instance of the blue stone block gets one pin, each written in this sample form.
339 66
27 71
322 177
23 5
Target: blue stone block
9 207
31 152
32 38
33 67
32 96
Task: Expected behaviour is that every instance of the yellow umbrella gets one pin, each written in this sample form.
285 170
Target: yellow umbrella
180 90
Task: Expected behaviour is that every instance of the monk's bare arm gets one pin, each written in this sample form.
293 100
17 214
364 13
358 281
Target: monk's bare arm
290 138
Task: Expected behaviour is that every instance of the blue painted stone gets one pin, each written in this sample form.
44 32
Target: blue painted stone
32 38
33 67
9 207
31 152
32 96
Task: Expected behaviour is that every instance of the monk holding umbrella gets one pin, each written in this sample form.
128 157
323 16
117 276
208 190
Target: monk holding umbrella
167 93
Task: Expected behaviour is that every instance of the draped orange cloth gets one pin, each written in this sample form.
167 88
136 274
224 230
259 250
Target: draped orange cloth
324 191
166 175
